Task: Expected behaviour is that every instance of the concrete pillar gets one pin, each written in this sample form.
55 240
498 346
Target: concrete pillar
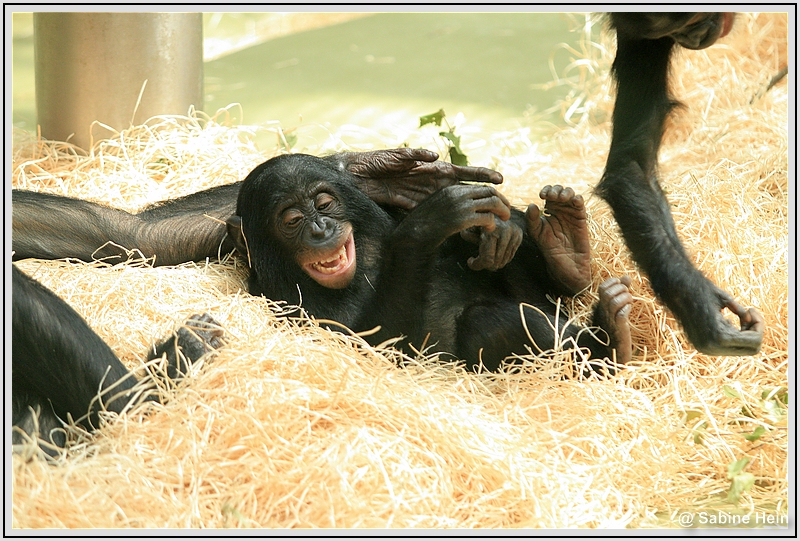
92 66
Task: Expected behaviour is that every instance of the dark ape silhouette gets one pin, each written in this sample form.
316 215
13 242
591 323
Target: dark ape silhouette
61 369
645 43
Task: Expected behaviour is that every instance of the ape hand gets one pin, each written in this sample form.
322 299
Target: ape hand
404 177
724 338
450 211
495 248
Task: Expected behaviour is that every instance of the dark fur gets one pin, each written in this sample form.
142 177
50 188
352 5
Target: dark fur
61 369
630 183
412 278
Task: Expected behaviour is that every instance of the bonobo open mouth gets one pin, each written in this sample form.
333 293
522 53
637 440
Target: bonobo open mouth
336 269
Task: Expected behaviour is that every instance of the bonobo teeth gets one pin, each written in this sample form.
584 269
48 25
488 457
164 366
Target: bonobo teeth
330 266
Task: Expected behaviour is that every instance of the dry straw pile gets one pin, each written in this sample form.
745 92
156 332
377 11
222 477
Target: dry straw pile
293 426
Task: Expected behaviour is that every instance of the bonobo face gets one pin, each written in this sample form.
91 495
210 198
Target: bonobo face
690 30
312 223
291 215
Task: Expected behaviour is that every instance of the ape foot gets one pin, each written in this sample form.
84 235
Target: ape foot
611 315
198 336
563 236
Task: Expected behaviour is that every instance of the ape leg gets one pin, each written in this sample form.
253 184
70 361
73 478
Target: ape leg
190 228
33 416
61 368
489 333
631 188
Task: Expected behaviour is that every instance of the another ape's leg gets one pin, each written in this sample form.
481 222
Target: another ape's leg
631 188
61 368
190 228
492 332
46 226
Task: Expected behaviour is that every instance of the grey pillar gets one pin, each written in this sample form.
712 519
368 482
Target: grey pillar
91 66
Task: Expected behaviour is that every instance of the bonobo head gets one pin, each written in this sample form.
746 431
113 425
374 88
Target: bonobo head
299 220
690 30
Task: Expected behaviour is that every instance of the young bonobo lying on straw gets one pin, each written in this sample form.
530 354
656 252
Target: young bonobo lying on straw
61 369
301 221
311 237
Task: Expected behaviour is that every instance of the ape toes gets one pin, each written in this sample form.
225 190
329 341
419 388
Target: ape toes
204 331
616 297
561 194
752 321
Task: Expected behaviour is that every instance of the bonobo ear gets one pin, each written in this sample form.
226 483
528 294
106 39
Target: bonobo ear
236 234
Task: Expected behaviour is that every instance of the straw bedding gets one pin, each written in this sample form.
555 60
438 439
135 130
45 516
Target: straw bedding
294 426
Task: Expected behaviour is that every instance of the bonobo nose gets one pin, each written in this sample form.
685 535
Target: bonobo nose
321 231
318 229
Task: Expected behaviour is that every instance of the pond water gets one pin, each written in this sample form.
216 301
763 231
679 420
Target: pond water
376 71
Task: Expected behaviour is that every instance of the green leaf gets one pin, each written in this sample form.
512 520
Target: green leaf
740 484
781 394
433 118
775 411
454 139
736 467
699 432
757 433
691 415
730 392
457 157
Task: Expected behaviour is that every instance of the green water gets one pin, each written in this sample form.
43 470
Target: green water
378 71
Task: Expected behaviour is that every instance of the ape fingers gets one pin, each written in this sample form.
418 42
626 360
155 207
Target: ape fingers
749 318
487 199
724 338
495 248
735 342
464 173
415 154
611 314
471 205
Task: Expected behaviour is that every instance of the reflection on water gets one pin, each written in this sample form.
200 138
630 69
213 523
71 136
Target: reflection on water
376 71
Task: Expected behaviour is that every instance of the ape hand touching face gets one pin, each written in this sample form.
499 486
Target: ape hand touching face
404 177
191 228
645 42
310 237
61 369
